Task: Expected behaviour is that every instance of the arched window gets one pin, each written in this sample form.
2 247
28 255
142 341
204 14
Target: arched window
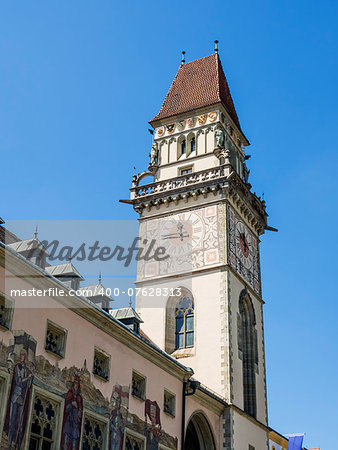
192 145
184 324
247 349
183 147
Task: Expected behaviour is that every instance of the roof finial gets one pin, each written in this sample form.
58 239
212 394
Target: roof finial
100 278
216 46
183 57
36 232
130 302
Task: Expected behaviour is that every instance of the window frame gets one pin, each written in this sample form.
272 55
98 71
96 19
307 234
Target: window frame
107 359
183 144
136 435
62 332
8 311
193 140
173 397
144 379
92 415
185 332
59 416
4 392
182 169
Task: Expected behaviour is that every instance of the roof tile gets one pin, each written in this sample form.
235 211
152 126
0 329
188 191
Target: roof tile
198 84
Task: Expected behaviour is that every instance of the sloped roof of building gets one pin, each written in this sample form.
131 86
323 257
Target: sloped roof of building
125 313
66 269
95 290
198 84
27 244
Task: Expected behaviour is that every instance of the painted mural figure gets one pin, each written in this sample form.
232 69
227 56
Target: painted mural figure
117 421
152 410
72 419
17 407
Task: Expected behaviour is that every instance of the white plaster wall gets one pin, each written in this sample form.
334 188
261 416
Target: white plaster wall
248 433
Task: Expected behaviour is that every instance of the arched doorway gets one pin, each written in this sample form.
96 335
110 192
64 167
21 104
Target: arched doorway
199 435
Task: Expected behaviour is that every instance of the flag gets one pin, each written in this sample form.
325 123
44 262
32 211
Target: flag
295 441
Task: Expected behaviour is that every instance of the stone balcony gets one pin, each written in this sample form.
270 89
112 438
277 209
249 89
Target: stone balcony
179 184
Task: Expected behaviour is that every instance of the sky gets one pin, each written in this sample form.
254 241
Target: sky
79 81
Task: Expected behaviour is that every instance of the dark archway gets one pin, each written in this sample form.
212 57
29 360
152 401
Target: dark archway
199 435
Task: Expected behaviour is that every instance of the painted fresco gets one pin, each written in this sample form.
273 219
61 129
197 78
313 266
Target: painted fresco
49 407
24 347
153 432
118 418
72 417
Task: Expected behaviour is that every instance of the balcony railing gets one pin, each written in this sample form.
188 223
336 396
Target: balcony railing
178 183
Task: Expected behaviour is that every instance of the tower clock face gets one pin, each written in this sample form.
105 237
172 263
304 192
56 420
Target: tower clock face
243 251
183 232
244 247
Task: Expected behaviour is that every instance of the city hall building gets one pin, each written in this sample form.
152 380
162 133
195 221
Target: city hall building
184 370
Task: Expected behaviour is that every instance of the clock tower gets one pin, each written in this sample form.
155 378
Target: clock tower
203 303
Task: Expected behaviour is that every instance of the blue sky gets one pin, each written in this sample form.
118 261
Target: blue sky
79 80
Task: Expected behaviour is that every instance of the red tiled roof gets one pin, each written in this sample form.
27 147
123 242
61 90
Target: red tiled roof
146 337
197 84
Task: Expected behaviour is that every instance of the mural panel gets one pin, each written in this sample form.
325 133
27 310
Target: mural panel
70 426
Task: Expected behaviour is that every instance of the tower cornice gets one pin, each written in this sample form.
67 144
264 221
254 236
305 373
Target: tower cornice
220 181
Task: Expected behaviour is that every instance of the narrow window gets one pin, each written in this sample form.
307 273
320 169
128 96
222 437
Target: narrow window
6 311
247 346
183 147
186 171
192 145
101 364
55 339
184 316
169 403
43 424
138 388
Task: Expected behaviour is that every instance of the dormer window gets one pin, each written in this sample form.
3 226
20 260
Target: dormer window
183 148
192 145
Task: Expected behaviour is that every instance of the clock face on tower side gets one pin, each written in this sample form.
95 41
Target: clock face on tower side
182 232
190 239
243 251
244 245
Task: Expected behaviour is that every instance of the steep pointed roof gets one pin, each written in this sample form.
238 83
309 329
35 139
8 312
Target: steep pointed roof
197 84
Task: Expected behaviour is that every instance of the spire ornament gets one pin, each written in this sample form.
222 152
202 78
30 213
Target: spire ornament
216 46
183 57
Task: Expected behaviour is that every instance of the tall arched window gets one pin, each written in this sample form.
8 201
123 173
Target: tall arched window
247 349
192 145
183 147
179 323
184 324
